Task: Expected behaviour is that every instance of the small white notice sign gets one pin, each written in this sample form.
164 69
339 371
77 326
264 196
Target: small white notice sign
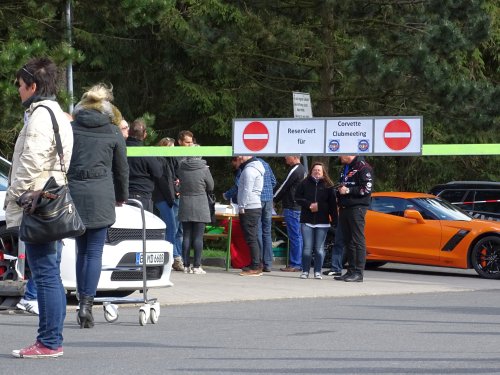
302 105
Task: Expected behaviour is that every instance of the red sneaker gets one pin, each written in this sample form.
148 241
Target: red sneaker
38 350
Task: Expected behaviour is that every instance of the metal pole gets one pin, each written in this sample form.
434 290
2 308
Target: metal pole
69 70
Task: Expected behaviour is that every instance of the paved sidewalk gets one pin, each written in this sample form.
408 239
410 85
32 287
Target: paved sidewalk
221 286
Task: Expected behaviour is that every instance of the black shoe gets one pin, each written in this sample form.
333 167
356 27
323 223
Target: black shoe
85 316
332 273
354 278
266 269
343 277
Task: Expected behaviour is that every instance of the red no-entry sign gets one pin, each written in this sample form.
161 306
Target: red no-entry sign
397 135
255 136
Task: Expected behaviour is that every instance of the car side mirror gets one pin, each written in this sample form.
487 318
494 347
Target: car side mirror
415 215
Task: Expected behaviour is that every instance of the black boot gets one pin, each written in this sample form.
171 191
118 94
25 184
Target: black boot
356 277
344 276
85 312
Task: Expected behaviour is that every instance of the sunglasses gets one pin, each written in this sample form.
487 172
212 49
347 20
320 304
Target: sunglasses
27 71
16 82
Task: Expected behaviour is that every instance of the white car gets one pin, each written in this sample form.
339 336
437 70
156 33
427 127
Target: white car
122 255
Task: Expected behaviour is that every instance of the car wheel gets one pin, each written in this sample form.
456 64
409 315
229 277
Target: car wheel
485 257
9 238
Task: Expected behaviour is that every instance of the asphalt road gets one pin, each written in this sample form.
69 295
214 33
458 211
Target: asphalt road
454 330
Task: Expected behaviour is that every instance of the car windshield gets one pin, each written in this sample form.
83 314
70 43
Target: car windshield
4 174
441 209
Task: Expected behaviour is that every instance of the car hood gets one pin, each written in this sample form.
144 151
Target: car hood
475 225
129 217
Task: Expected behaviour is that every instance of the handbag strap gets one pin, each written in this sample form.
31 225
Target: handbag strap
59 148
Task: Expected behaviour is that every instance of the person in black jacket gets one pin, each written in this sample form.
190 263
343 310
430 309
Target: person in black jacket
291 211
166 201
98 180
354 198
144 171
317 199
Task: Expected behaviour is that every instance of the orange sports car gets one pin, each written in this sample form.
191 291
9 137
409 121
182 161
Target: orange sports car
423 229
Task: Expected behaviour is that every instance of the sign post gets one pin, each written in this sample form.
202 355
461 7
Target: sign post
302 105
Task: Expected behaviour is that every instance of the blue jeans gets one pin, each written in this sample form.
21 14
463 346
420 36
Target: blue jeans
338 250
89 260
44 261
314 239
292 220
174 228
30 293
264 237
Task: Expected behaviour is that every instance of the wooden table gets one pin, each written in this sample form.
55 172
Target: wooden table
277 219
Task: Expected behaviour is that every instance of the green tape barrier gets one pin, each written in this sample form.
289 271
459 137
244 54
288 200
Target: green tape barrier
461 149
227 151
206 151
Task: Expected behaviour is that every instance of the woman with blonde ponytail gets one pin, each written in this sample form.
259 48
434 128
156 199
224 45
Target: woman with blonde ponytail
98 180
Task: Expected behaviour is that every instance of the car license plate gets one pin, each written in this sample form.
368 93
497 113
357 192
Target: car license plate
151 258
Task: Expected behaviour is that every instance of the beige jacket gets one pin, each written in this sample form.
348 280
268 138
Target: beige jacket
35 156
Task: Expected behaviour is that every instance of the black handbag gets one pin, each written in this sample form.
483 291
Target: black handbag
50 214
211 206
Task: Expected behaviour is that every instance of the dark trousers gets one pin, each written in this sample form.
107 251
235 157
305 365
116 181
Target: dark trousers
192 236
352 222
249 222
147 202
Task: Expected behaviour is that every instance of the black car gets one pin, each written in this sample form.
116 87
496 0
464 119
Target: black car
481 199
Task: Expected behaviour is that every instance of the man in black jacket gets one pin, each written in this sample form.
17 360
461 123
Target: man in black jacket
354 198
143 171
291 211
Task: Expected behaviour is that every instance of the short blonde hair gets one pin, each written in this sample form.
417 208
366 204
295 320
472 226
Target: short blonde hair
166 141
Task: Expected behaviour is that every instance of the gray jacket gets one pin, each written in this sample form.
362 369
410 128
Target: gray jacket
250 184
195 181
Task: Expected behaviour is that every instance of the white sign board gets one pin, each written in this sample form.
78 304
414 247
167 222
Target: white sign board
255 137
302 105
349 136
300 137
329 136
402 135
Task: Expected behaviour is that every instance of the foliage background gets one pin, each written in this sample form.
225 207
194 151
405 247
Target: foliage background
197 64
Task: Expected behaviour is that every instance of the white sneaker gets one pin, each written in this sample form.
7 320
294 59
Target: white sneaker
198 271
188 270
317 275
305 275
29 306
